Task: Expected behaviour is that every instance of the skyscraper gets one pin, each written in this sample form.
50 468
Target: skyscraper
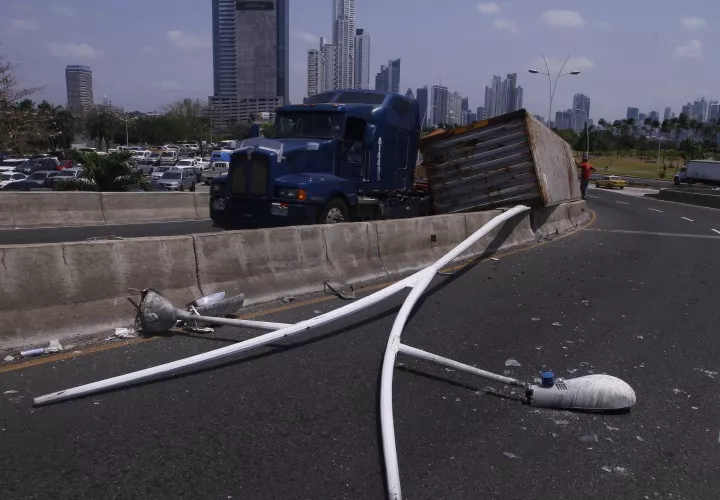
329 51
78 80
439 104
454 109
465 104
316 72
582 102
409 94
421 95
344 38
482 113
654 115
388 79
713 111
503 96
633 113
362 59
251 58
668 113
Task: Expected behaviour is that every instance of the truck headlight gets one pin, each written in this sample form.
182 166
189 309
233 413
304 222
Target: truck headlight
294 193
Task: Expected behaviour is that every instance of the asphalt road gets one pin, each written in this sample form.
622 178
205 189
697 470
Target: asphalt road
633 295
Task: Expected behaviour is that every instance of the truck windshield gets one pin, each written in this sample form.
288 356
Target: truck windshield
310 125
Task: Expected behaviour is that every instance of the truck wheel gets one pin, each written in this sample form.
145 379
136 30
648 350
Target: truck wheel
192 188
334 212
677 181
182 188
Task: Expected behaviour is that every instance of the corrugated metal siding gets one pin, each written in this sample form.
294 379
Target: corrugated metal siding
554 164
484 165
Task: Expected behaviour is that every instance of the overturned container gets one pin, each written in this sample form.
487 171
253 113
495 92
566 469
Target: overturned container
502 161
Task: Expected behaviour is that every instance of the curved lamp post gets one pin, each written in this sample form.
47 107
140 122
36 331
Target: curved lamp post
553 86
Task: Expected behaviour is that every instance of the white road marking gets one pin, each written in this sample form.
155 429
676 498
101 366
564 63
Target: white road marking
591 196
653 233
687 219
622 203
718 232
655 210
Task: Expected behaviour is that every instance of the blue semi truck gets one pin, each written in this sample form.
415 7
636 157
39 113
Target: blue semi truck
342 156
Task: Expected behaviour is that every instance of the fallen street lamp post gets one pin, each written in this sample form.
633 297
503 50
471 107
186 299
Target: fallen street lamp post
157 314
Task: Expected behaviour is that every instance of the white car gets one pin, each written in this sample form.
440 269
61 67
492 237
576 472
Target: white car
158 172
8 177
218 168
187 163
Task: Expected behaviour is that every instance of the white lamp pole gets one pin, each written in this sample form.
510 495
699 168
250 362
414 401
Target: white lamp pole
553 87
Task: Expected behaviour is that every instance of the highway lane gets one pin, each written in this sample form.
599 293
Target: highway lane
299 420
83 233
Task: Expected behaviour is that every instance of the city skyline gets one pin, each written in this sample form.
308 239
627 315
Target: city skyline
79 85
150 69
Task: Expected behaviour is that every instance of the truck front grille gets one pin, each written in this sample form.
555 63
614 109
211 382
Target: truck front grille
250 176
239 183
259 176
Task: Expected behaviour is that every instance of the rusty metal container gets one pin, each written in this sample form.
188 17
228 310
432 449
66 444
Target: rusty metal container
501 161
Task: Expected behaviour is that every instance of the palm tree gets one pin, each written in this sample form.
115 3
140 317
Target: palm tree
100 124
105 173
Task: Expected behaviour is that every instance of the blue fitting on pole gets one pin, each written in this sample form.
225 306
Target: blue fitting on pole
548 379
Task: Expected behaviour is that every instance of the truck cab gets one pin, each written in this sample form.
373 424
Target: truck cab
343 155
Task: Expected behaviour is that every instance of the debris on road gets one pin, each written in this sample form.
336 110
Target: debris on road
9 358
288 299
509 455
55 346
557 323
534 319
35 351
198 329
345 292
512 362
592 438
495 259
316 311
123 333
11 391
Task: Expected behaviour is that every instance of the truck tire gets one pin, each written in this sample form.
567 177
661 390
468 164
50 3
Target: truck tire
192 188
677 181
334 212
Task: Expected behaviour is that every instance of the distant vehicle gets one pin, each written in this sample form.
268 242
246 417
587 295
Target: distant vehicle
221 155
176 180
231 145
217 168
610 181
705 171
35 180
168 158
158 172
68 173
187 163
88 150
37 164
48 181
9 164
64 164
8 177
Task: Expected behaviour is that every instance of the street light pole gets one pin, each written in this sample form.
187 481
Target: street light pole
552 86
422 123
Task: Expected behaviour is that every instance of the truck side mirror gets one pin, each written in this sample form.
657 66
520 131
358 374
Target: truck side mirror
369 137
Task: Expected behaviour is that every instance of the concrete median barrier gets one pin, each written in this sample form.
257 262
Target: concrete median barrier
64 290
50 209
409 244
547 222
515 232
264 264
578 213
124 208
202 205
353 252
690 198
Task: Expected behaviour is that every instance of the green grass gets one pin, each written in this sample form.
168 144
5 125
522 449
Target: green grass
633 167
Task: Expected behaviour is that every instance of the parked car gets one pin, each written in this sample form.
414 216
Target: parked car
36 180
76 173
48 181
158 172
37 164
176 180
168 157
217 168
8 177
611 181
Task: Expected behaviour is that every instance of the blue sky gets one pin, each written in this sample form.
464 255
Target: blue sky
146 54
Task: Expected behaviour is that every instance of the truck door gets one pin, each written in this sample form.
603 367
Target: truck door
353 157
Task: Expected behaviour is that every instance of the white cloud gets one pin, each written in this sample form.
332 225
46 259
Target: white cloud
306 37
72 50
693 23
25 24
504 24
689 50
573 64
64 10
167 85
489 8
563 18
188 41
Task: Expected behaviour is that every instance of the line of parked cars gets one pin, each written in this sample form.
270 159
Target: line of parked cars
24 174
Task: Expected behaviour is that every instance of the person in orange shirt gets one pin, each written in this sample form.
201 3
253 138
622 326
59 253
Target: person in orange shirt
586 171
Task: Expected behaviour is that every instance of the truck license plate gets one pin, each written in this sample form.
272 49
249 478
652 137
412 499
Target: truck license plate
219 204
277 209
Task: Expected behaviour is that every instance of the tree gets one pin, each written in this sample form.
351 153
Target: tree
110 172
267 129
570 136
191 118
19 122
101 124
